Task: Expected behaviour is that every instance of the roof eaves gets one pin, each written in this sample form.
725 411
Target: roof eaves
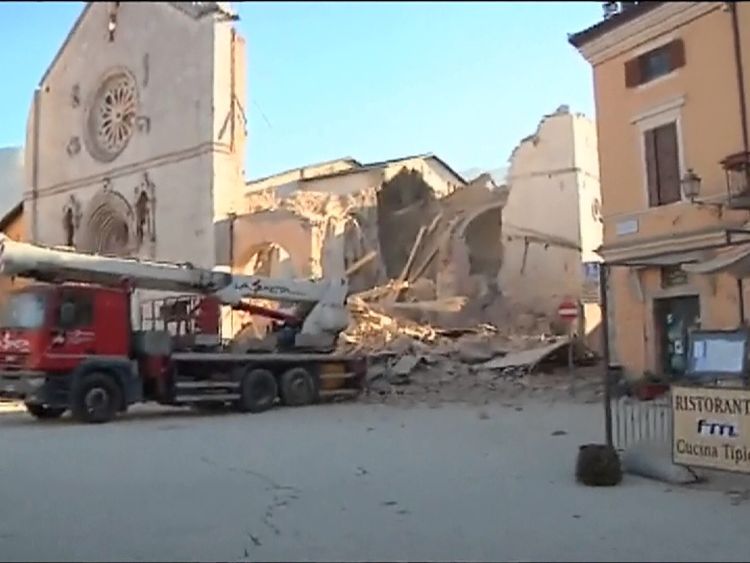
448 168
580 38
396 160
350 172
348 159
384 163
198 10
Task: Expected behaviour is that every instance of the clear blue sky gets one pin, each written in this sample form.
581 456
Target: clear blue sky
371 80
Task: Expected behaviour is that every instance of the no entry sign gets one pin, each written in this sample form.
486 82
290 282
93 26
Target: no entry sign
568 310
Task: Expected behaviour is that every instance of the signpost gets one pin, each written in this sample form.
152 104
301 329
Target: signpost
591 278
568 312
711 427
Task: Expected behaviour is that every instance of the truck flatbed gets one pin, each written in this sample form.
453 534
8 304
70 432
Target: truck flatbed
279 357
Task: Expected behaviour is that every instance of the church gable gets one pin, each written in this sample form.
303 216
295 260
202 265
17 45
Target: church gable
129 82
107 13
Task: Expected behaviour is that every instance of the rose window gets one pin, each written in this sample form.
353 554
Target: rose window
112 117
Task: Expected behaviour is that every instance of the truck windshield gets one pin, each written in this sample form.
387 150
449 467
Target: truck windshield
22 310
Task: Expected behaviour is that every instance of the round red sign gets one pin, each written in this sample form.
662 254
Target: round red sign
568 310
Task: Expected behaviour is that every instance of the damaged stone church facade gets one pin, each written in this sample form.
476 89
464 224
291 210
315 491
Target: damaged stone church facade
134 144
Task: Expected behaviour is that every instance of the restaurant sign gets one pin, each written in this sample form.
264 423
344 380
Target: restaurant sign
711 427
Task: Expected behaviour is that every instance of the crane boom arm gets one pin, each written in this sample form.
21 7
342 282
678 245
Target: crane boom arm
56 265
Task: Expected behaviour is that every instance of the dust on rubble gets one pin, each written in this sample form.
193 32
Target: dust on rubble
411 362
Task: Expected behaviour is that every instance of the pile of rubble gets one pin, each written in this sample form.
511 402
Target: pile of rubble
420 361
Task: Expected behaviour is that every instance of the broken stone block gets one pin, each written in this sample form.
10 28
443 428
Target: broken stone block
486 376
526 322
405 365
377 371
475 353
379 385
401 345
422 289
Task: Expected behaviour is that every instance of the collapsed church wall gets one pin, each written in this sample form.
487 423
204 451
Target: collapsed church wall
401 222
405 204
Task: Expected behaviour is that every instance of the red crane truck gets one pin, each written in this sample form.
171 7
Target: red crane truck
67 342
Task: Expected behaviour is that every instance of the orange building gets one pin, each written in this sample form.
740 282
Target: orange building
12 226
671 91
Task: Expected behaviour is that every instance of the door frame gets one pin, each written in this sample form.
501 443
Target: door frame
659 336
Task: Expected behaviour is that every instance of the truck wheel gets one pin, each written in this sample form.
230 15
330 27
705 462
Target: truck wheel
258 391
43 412
298 388
96 398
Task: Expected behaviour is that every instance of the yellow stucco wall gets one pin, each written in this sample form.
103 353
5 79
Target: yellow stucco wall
709 123
703 95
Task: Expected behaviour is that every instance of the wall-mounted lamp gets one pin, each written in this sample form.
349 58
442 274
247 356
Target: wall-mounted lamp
691 189
691 185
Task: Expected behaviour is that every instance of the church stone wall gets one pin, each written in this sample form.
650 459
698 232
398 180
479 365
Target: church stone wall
124 152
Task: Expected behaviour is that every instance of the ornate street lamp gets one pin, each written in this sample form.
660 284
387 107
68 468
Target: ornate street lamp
691 185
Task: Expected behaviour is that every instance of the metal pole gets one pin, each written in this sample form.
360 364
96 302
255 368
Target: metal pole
733 7
571 364
232 220
741 300
603 285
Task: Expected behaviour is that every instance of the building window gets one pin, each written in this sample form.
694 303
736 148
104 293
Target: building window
662 164
655 63
82 307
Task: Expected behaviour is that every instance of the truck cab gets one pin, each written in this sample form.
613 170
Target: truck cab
53 328
50 333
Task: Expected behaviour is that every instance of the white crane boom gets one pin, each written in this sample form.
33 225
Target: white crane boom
56 265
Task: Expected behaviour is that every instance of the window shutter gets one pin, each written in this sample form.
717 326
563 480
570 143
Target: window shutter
668 163
632 73
676 53
651 168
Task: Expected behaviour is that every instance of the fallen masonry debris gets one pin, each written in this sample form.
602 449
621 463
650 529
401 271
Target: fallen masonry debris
420 361
422 250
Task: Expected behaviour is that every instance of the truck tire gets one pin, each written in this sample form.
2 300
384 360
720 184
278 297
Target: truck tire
43 412
298 387
96 398
258 391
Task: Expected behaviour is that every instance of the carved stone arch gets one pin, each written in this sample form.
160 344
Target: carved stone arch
269 259
108 224
279 228
482 232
